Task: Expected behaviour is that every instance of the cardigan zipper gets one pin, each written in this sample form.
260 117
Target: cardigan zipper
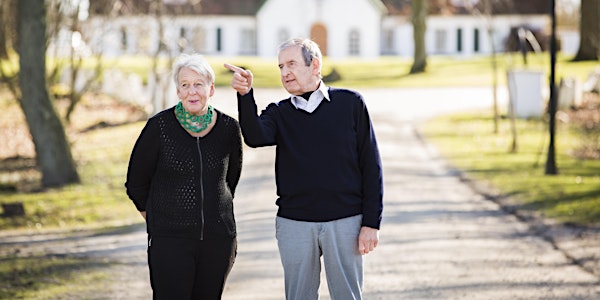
201 190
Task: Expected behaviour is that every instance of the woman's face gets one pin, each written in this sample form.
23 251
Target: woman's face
194 90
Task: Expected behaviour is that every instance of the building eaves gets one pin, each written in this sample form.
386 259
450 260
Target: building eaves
175 7
455 7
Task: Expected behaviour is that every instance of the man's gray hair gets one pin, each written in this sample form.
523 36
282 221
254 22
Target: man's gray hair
310 49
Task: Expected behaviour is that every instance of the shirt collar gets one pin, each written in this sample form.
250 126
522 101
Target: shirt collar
318 95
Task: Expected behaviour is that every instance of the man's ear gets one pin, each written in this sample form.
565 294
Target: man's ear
316 65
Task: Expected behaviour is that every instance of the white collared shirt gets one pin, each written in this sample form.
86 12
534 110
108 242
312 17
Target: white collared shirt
313 101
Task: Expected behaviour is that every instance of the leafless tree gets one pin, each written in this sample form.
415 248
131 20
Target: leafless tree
419 21
589 31
53 152
484 10
63 18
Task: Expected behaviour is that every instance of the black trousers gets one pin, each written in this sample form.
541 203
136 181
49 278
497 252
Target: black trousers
189 269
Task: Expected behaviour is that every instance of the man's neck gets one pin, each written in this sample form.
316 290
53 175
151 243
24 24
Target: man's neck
307 94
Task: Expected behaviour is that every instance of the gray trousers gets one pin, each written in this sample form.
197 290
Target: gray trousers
301 245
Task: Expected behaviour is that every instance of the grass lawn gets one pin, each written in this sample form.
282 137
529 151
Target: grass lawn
467 141
43 277
386 71
99 200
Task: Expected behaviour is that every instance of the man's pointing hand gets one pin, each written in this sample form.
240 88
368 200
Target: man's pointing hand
242 79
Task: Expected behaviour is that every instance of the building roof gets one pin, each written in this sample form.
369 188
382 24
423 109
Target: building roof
458 7
251 7
175 7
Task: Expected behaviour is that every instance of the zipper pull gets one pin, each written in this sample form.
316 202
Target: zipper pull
149 242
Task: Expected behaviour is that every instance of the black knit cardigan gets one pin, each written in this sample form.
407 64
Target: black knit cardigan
186 184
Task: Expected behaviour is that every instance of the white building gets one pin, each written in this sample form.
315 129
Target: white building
343 28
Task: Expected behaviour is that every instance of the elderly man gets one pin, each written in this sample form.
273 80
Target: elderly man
328 173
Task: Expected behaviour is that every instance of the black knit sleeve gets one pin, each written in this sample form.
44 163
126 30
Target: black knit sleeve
257 130
235 157
142 165
370 166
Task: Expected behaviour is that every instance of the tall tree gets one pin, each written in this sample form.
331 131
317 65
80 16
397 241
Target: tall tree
551 168
419 20
53 152
589 31
7 10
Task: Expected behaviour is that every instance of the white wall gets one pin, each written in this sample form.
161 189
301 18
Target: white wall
361 15
261 34
404 42
142 34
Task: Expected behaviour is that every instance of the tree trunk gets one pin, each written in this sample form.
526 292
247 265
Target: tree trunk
589 31
551 168
7 21
419 18
53 152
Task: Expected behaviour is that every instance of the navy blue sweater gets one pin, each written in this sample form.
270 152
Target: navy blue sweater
327 162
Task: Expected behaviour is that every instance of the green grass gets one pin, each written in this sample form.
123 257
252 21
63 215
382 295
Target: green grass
467 141
393 71
386 71
43 277
99 200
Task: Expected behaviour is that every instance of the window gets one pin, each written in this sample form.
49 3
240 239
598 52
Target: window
182 41
219 39
123 39
144 42
282 36
248 42
354 42
198 40
459 40
440 41
476 40
387 46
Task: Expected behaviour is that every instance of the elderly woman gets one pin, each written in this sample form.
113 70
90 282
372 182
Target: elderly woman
182 176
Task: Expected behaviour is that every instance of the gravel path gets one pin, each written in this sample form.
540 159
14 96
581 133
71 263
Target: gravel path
440 238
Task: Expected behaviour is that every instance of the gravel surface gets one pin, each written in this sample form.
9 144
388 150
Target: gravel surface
442 237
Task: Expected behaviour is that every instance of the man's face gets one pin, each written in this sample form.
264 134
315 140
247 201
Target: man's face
298 78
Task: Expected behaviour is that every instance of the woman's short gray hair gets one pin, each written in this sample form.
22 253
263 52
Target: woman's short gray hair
194 62
310 49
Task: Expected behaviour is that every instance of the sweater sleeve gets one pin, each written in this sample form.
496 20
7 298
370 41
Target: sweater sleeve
142 165
235 159
257 130
371 169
